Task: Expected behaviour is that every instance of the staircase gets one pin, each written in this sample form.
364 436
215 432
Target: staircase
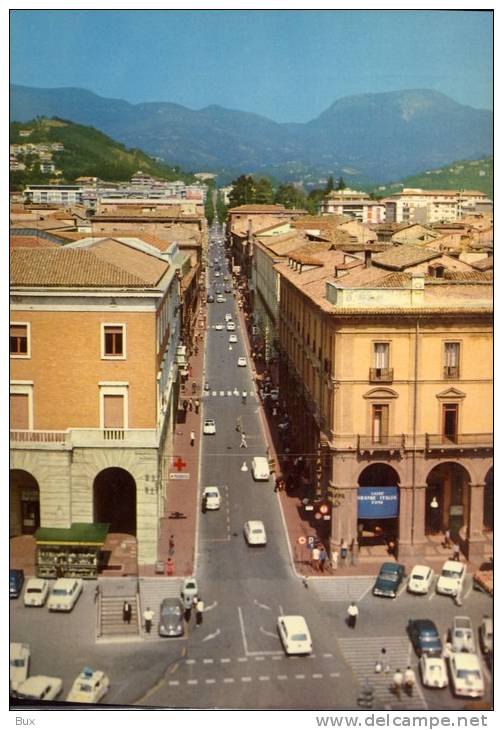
113 593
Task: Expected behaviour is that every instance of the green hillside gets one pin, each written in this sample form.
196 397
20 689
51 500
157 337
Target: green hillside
462 175
86 152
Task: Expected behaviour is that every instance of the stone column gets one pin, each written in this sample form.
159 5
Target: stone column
475 538
411 538
344 517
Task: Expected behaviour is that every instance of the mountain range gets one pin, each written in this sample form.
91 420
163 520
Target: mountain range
369 137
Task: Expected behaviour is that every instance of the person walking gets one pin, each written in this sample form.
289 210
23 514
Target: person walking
335 560
191 404
199 611
352 614
456 552
185 405
126 612
243 444
315 558
148 615
196 407
344 551
397 683
323 558
277 484
171 545
192 438
409 680
239 424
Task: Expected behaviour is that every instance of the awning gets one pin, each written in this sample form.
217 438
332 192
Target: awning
80 533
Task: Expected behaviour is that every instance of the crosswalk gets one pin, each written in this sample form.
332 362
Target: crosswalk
153 590
228 393
352 588
362 653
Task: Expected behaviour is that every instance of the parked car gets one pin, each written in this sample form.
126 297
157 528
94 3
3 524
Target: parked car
209 427
64 594
16 580
433 671
254 532
420 579
260 469
241 362
486 635
389 579
40 687
462 636
19 655
451 580
294 634
36 592
212 496
171 617
189 589
466 674
424 637
90 686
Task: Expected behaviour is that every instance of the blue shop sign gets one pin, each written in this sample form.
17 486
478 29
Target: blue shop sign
377 502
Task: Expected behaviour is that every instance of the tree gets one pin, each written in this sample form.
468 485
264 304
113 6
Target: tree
290 197
243 191
330 184
209 210
221 208
314 199
341 185
264 193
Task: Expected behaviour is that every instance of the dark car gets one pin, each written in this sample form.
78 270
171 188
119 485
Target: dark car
171 617
425 637
389 579
16 580
210 298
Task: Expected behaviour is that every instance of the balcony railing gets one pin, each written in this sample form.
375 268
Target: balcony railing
451 372
381 375
39 438
383 443
85 437
459 441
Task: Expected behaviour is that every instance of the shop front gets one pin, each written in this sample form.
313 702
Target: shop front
378 509
73 552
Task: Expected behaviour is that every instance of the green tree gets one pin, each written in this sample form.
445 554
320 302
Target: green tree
314 199
209 209
330 184
341 185
264 192
243 191
221 208
290 197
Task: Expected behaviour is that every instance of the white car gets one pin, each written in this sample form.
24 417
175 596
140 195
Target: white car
212 496
219 327
294 634
221 299
40 687
217 273
64 594
433 671
19 664
209 427
254 532
451 579
36 592
466 674
231 327
260 469
228 317
189 589
233 339
90 686
241 362
486 635
420 579
462 635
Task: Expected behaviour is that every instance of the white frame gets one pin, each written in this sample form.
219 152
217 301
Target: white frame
104 356
114 389
24 387
28 344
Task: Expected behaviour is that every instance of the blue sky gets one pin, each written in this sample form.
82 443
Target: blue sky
288 65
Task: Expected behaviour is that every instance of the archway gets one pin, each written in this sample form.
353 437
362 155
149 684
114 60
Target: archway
489 500
114 500
446 497
378 505
24 503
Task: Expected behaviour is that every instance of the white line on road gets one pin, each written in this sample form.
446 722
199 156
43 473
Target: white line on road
335 674
208 661
276 658
229 680
267 633
282 676
281 613
192 681
317 676
300 676
174 682
404 586
327 655
243 635
212 605
210 681
211 636
190 661
246 679
263 678
242 658
225 661
261 605
259 658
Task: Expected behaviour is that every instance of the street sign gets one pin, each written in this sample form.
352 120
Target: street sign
179 475
311 540
302 540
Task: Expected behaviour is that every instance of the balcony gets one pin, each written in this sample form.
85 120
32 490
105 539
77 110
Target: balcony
388 444
381 375
85 438
459 442
451 372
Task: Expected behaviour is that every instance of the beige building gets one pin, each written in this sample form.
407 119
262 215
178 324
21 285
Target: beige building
386 368
415 205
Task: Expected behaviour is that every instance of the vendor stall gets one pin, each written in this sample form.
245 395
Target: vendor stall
72 552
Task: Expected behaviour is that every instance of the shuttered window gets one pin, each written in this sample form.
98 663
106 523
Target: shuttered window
19 412
113 411
113 341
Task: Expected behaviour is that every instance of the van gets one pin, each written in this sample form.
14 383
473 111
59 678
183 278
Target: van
260 469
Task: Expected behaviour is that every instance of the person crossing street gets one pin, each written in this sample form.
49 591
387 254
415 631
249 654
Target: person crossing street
148 615
352 614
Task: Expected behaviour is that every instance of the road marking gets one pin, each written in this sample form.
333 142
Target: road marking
225 661
276 658
432 595
404 586
211 636
327 655
210 681
246 679
281 612
207 661
261 605
300 676
228 680
267 633
242 626
192 681
190 661
335 674
264 678
281 676
317 676
259 658
174 682
212 605
242 658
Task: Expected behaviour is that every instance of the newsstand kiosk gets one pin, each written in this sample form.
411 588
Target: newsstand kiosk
72 552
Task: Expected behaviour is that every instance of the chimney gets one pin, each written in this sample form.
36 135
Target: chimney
368 258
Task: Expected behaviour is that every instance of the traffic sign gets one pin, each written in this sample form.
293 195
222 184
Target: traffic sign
302 540
311 540
179 475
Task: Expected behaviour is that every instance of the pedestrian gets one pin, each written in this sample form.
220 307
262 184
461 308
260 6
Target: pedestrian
352 551
192 438
196 406
199 611
194 386
277 484
315 558
185 405
148 615
96 592
323 558
243 444
397 683
344 551
171 545
382 663
335 559
239 424
126 612
456 552
352 613
191 404
447 539
409 680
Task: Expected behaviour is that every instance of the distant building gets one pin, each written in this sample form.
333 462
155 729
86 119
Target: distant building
356 205
415 205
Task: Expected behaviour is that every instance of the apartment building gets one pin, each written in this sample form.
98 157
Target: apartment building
354 204
94 332
386 370
414 205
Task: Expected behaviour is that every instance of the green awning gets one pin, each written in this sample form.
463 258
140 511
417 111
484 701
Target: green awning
80 533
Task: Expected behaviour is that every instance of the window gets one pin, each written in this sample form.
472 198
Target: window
19 412
381 372
113 341
450 422
113 408
113 411
19 339
451 360
380 423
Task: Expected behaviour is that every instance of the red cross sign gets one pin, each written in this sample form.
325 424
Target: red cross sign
179 464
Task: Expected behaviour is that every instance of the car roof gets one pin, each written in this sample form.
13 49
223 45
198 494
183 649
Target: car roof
466 660
173 601
424 624
294 622
36 582
211 489
64 582
421 569
17 649
390 567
